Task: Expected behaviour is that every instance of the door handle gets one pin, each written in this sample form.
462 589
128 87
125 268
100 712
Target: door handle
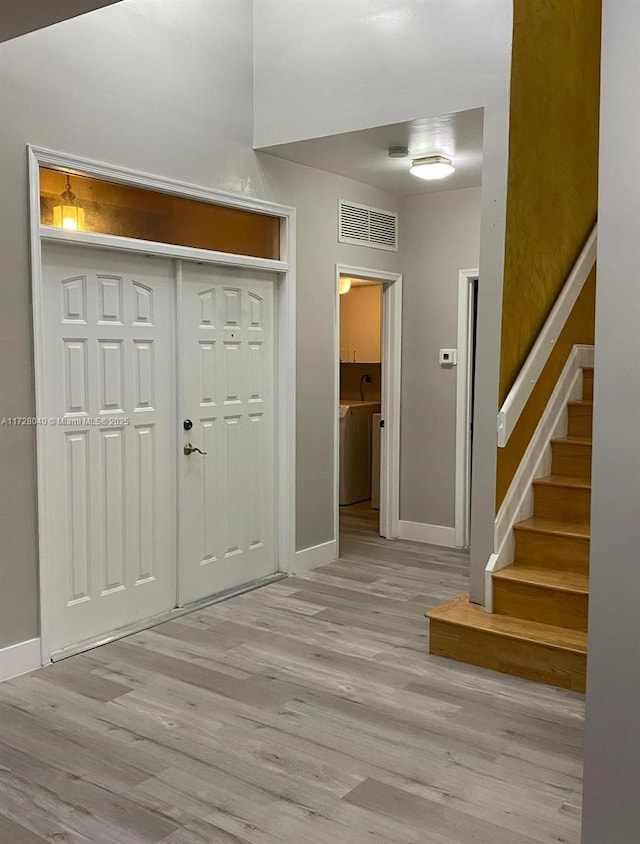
189 449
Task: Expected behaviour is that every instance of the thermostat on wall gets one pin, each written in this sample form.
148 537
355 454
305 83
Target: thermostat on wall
448 357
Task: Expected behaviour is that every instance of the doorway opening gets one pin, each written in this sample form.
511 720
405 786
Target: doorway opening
467 322
367 442
360 400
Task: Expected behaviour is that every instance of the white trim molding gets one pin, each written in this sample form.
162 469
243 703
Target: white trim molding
391 408
167 250
528 376
317 555
19 659
535 463
440 535
79 166
464 391
391 393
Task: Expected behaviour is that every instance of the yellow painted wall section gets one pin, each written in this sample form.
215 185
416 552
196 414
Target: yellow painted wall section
553 161
578 330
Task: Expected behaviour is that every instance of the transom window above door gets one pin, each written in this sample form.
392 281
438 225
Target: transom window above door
100 206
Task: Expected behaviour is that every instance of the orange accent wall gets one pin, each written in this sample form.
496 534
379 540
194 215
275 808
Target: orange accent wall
579 329
553 163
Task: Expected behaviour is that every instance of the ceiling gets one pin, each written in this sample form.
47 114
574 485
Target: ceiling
17 17
363 155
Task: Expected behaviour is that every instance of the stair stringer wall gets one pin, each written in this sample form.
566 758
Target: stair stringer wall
536 462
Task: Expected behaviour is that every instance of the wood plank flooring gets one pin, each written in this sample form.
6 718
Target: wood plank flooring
307 712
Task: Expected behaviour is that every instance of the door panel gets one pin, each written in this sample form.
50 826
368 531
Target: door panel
112 448
228 494
109 401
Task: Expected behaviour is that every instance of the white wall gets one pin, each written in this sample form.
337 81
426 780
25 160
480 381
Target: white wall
136 84
315 195
440 235
612 746
331 66
168 88
163 87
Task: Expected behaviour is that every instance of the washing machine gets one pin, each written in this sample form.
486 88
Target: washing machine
356 425
376 446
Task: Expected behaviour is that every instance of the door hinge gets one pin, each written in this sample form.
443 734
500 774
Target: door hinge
382 423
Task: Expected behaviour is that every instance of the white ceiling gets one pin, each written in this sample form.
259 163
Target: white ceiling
363 155
17 17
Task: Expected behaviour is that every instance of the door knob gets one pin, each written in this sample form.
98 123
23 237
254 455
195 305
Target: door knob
189 449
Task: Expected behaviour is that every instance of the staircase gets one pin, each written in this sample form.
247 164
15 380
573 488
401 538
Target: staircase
538 629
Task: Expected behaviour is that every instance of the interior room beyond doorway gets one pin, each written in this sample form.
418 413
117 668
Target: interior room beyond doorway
360 409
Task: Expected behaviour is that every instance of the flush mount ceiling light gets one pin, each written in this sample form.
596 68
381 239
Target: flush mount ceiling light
344 285
432 167
67 213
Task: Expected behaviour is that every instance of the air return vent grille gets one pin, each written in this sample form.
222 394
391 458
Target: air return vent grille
364 226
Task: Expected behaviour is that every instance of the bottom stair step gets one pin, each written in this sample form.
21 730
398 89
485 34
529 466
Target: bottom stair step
542 652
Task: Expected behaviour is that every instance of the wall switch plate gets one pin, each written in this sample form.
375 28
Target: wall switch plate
448 357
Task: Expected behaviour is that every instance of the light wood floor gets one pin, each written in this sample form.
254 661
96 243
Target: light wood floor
307 712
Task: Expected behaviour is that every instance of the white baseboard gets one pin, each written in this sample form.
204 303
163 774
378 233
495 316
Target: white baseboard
20 659
429 534
536 462
317 555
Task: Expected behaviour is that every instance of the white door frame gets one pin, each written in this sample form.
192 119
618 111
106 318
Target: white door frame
286 333
464 391
391 391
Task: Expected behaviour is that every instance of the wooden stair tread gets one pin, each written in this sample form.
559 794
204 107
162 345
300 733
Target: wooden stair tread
568 481
535 523
583 441
461 613
564 581
580 403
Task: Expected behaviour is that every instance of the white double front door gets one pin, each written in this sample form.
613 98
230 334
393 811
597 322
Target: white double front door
158 452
